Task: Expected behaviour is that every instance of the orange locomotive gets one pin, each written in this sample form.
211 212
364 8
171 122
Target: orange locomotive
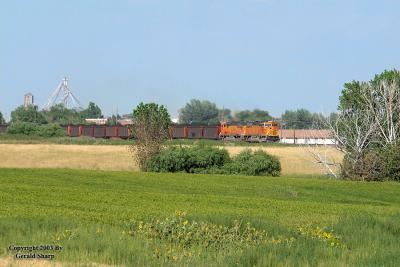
260 131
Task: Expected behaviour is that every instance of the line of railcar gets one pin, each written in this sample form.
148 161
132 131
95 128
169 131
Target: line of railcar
99 131
245 131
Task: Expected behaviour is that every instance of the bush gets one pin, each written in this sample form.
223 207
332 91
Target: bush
172 159
207 159
203 158
26 128
34 129
390 159
254 163
377 164
50 130
197 159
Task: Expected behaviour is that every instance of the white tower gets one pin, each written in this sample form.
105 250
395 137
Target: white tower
63 95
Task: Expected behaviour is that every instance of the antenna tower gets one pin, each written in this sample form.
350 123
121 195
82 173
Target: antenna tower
63 95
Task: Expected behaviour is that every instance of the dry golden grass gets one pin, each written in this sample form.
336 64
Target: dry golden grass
66 156
297 160
294 160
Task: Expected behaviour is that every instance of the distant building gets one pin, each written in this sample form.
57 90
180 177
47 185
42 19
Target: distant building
306 136
124 122
99 121
28 100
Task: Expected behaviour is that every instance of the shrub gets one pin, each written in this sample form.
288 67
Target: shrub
50 130
376 164
390 159
34 129
254 163
197 159
172 159
26 128
202 158
207 159
186 234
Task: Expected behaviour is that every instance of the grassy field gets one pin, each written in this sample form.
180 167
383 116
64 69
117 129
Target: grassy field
308 222
295 160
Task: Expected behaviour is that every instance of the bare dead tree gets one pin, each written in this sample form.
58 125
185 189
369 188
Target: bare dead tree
383 102
353 132
321 147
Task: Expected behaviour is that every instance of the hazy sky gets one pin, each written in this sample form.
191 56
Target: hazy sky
244 54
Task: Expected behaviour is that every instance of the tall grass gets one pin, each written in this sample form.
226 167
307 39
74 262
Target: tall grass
88 213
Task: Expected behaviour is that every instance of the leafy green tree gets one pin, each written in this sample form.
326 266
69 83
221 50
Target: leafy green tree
27 114
113 120
151 124
353 98
199 111
2 120
225 114
35 129
302 119
62 115
254 115
92 111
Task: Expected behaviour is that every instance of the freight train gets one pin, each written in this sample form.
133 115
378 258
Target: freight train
267 131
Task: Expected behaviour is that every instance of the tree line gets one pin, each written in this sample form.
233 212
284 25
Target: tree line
47 123
194 112
206 112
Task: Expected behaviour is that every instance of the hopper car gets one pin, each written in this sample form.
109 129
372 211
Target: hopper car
243 131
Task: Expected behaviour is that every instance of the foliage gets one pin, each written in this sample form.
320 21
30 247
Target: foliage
34 129
207 159
62 115
171 159
50 130
193 159
113 120
322 234
2 120
27 114
151 129
25 128
255 115
188 238
92 111
377 164
254 163
224 114
302 119
200 112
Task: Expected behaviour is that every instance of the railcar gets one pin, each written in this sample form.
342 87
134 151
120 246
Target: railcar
245 131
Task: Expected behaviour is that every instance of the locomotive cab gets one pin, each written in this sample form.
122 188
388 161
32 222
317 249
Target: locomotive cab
270 130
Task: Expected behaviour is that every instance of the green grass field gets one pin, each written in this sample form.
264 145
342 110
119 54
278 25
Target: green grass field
89 214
